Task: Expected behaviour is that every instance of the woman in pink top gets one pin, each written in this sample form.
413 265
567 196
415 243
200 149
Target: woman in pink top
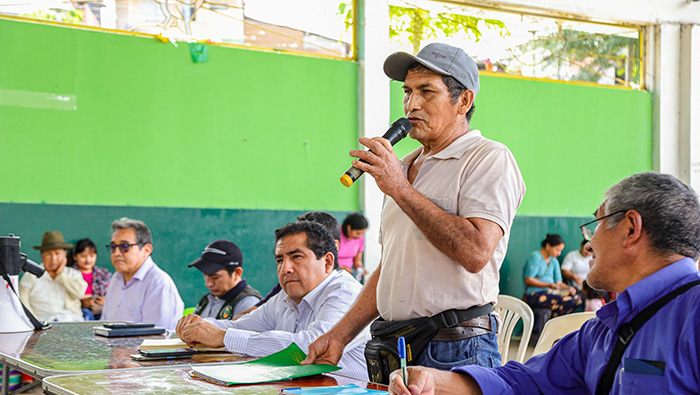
352 244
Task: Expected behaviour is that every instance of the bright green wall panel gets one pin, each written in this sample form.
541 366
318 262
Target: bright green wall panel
179 236
571 141
150 127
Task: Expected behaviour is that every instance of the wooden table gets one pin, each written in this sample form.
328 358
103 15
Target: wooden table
176 381
71 347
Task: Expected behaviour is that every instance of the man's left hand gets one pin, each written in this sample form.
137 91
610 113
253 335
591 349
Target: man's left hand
382 164
194 330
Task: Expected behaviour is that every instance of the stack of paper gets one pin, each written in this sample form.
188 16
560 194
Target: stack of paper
281 365
166 344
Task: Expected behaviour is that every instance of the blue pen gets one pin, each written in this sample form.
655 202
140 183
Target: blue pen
402 356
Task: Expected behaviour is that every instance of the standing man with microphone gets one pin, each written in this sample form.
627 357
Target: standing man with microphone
445 224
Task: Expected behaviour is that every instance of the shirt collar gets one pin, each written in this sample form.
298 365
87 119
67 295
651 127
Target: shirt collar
644 292
233 292
143 270
311 298
454 150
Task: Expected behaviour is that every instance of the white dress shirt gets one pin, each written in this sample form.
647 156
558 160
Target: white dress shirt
279 322
53 299
150 296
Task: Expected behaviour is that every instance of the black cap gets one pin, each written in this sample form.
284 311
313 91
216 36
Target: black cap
218 255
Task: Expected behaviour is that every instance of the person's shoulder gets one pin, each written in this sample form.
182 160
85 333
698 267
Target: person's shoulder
204 299
157 275
534 254
478 140
73 273
342 282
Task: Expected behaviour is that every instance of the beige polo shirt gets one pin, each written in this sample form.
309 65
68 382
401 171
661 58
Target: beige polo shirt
474 177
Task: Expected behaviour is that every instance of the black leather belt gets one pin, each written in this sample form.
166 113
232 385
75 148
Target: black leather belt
464 330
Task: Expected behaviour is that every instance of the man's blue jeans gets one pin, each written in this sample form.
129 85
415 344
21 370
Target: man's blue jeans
479 350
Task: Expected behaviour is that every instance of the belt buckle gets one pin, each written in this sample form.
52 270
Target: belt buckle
449 318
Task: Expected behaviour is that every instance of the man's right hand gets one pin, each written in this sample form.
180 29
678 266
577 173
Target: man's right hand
327 348
183 322
429 381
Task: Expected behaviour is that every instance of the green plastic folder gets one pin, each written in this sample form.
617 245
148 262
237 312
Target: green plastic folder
281 365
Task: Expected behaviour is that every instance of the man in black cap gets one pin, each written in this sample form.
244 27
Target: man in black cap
221 263
445 223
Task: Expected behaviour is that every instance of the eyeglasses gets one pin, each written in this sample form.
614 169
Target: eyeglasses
588 233
124 248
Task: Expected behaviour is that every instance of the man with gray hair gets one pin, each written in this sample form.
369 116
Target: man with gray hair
139 291
445 224
645 242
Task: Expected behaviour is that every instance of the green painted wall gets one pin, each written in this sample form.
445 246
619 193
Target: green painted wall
239 145
246 129
571 141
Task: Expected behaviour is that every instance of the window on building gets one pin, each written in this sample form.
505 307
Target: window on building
523 43
302 26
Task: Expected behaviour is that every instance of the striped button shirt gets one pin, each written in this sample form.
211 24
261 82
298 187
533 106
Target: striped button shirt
279 322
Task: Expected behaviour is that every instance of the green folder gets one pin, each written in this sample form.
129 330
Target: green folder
281 365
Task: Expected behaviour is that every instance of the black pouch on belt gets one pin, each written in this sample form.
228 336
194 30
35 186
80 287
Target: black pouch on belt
381 351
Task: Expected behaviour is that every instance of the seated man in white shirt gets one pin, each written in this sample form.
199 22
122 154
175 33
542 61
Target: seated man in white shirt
55 296
315 295
139 291
576 266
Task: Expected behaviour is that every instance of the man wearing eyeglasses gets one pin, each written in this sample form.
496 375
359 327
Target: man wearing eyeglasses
139 291
645 242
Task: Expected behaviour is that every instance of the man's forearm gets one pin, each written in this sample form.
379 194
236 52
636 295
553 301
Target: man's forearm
470 242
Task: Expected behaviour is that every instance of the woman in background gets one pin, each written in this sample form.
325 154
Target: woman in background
352 244
83 257
544 285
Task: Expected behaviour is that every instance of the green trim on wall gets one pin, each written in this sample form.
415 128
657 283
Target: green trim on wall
571 142
146 126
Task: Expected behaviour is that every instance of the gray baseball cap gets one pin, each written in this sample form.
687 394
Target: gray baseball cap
441 58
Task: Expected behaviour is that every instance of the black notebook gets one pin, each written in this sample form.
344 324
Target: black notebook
128 330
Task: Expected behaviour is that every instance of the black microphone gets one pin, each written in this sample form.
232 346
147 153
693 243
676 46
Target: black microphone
397 131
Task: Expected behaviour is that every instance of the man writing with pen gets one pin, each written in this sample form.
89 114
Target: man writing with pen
445 225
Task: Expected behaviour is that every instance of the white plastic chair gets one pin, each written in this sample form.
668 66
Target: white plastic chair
558 327
511 311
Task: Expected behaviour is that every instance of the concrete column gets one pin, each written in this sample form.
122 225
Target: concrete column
373 43
689 97
675 83
665 84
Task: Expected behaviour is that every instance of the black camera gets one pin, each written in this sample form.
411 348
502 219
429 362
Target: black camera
12 262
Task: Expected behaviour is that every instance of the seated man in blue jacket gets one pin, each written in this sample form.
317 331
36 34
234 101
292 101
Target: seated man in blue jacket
645 242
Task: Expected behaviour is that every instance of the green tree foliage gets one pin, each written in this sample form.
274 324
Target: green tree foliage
422 24
595 54
69 16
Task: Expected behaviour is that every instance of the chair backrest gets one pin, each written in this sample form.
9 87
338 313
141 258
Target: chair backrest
511 311
558 327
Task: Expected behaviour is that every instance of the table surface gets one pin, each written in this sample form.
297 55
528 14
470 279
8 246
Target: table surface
177 380
70 347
